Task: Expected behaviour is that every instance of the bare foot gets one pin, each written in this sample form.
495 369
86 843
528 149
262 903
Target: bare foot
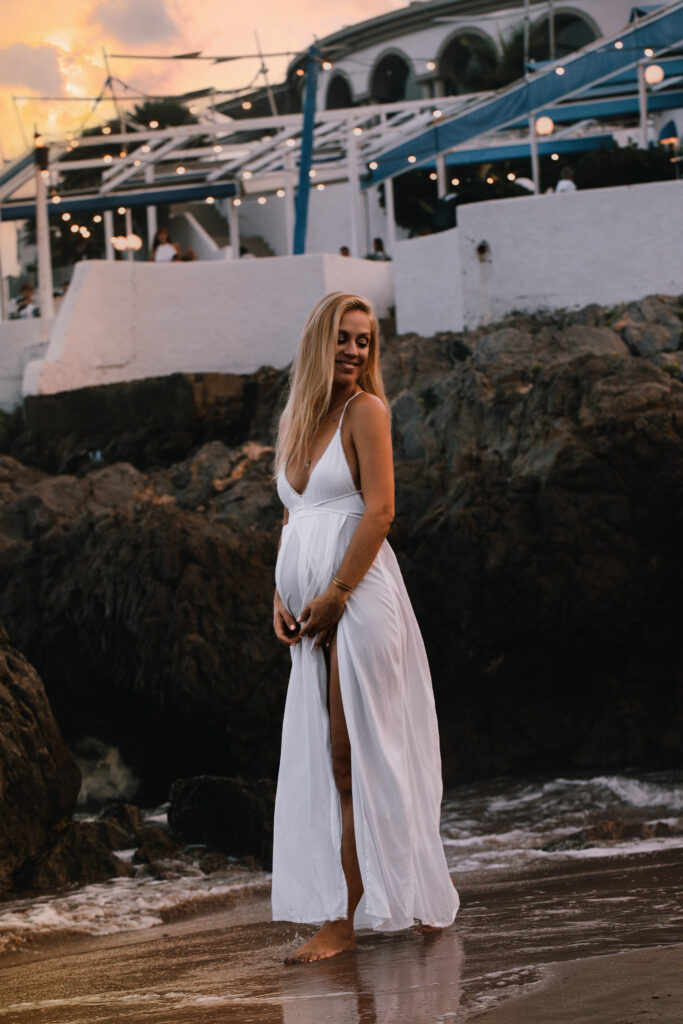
333 938
425 929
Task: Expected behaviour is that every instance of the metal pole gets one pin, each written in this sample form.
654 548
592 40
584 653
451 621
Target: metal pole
3 294
527 26
47 303
306 152
533 146
264 72
129 231
290 188
234 221
389 210
354 191
551 30
441 181
642 104
108 234
151 211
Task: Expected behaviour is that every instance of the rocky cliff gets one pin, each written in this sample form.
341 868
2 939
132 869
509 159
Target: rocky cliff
539 468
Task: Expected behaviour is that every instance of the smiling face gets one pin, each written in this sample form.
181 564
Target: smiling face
353 348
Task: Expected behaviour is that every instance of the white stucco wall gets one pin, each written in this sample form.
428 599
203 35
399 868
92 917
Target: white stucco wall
19 344
127 320
605 245
548 251
428 285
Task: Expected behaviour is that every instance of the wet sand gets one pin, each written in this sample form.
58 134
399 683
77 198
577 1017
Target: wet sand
582 936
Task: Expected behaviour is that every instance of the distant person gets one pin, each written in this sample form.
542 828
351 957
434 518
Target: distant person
26 306
164 249
378 252
344 251
189 255
566 182
245 254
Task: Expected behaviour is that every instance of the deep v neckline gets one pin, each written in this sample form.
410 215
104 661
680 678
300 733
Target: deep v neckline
300 494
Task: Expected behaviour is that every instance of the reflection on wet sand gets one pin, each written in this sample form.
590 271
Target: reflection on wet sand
391 978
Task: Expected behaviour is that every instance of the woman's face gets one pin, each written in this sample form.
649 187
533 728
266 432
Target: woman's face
353 347
163 236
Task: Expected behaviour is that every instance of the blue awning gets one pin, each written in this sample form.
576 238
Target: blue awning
540 94
112 200
520 150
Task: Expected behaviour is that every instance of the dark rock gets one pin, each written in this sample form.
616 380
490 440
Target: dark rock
39 779
540 507
152 422
233 815
75 853
154 844
123 824
614 830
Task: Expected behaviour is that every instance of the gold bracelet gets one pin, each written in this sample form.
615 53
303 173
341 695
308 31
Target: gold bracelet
342 586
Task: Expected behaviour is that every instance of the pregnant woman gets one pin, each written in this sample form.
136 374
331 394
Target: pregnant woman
356 841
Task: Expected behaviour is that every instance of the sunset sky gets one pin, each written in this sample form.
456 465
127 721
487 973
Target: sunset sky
58 49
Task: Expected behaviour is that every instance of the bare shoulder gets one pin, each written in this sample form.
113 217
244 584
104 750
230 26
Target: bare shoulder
368 411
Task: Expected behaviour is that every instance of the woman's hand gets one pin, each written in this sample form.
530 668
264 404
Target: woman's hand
320 616
285 625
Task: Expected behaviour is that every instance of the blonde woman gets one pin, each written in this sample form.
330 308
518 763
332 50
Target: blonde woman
356 840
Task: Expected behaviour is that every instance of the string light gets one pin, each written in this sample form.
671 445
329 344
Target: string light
237 202
648 51
121 210
180 169
66 216
107 158
412 159
373 165
554 156
262 200
300 72
312 173
97 219
146 148
430 65
490 180
320 188
559 71
217 149
75 228
437 113
511 176
433 176
246 105
210 200
56 199
455 181
618 45
106 130
154 124
327 66
545 125
358 131
280 192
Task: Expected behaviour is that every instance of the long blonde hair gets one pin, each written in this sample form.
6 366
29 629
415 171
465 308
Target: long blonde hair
311 379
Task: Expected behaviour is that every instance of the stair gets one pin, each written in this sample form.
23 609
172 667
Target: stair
218 228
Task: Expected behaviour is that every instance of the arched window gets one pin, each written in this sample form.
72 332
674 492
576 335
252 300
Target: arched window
572 31
467 64
338 94
392 80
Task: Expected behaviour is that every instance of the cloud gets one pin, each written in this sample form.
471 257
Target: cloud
36 67
134 21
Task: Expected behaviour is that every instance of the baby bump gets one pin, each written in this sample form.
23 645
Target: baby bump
311 549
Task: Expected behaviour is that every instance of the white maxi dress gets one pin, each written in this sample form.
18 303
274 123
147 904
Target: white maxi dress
389 709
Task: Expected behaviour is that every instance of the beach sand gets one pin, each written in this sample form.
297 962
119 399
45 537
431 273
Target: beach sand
572 943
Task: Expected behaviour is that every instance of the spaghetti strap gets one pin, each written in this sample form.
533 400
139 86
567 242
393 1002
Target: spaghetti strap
341 418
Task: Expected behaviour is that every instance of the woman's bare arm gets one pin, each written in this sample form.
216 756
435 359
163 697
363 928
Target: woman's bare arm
371 436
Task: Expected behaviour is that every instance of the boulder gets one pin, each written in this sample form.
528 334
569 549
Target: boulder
75 852
39 779
539 477
613 831
232 815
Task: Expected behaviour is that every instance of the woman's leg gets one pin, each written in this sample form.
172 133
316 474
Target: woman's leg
337 936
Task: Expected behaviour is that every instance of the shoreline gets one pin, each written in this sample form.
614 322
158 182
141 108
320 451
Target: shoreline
644 983
520 951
